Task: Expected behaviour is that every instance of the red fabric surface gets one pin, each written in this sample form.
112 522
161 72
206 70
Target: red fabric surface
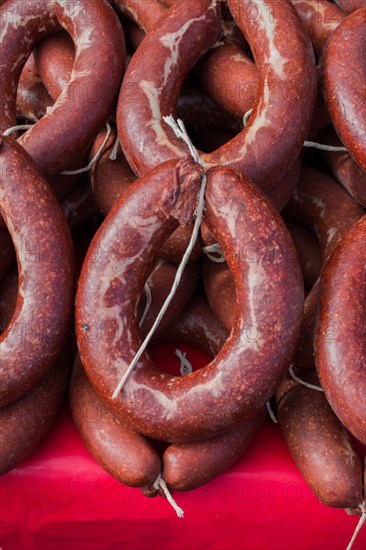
60 498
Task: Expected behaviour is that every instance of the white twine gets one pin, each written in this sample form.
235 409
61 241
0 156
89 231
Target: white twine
322 147
16 128
271 413
113 155
159 483
94 160
181 133
358 526
212 249
300 381
185 365
147 305
313 144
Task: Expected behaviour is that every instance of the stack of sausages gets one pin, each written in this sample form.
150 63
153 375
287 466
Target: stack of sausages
98 200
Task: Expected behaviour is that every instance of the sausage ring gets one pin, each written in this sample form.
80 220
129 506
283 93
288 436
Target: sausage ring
246 371
43 246
281 117
340 343
86 102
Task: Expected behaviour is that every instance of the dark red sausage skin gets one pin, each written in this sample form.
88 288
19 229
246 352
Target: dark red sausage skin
24 423
345 169
340 343
308 251
198 326
55 57
187 466
160 283
125 454
320 19
109 179
320 446
32 97
344 69
220 292
37 226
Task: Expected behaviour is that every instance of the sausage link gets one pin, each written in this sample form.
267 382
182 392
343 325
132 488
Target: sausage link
320 18
213 64
197 326
344 69
220 292
187 466
340 342
322 205
237 91
43 246
24 423
32 97
308 251
176 245
206 402
345 169
77 116
55 57
160 282
123 453
145 13
108 179
321 447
